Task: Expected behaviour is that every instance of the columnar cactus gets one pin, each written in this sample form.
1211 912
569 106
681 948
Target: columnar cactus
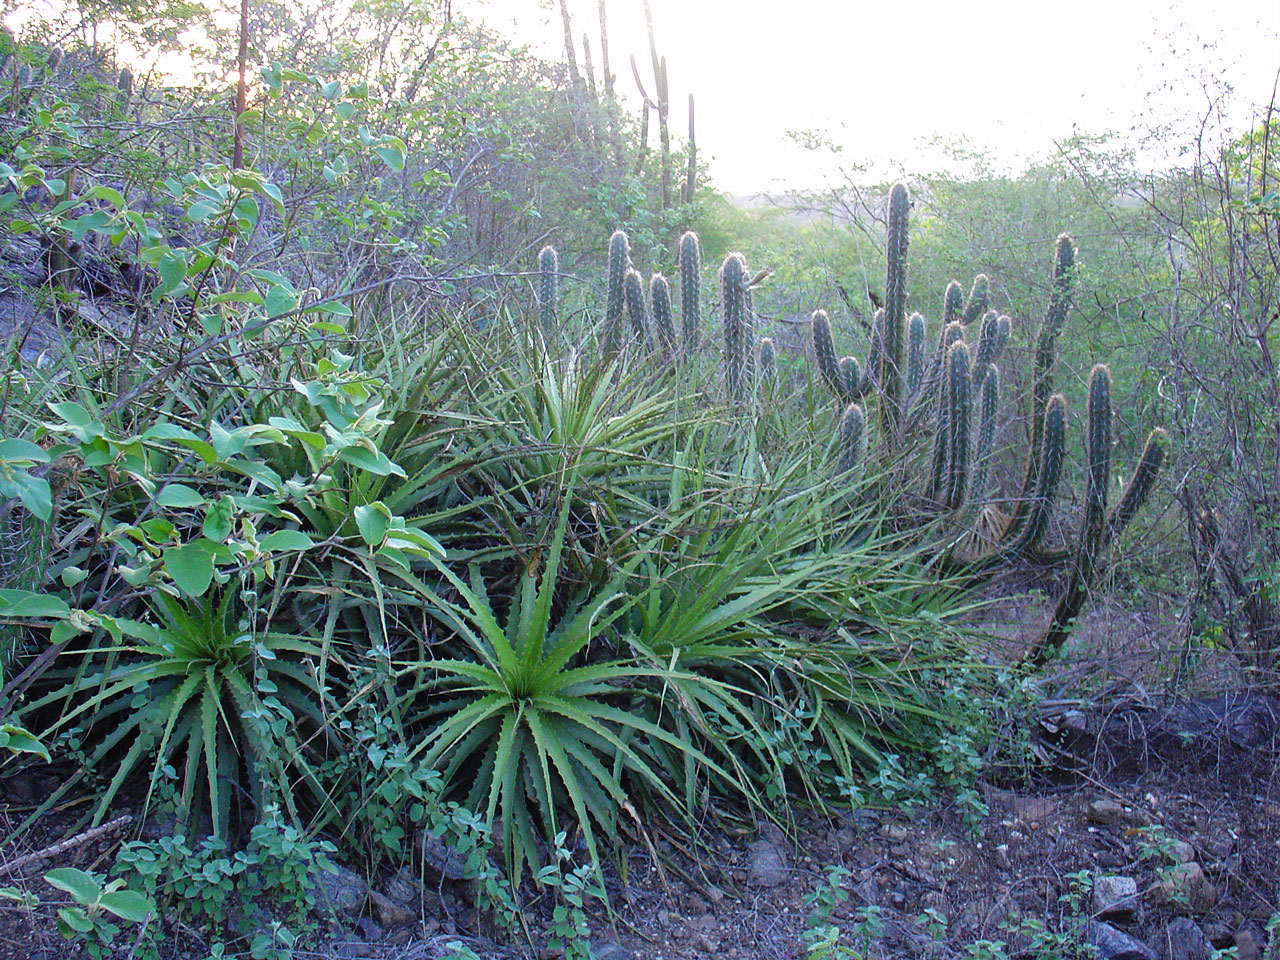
1053 427
952 303
850 377
990 403
875 350
853 441
768 360
915 354
959 420
548 288
737 326
824 349
1046 354
893 360
660 297
633 293
988 339
619 262
690 257
979 297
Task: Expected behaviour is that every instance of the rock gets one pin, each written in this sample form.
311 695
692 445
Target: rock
390 912
894 831
1115 944
1184 885
1034 809
443 859
1107 812
766 865
609 950
1182 852
341 893
368 929
1249 942
403 887
1184 940
1114 896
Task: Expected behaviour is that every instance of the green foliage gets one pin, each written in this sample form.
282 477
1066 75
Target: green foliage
88 922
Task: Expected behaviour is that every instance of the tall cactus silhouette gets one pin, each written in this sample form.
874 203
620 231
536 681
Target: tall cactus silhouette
548 289
824 349
124 83
1026 540
633 293
690 257
737 326
660 297
952 303
619 262
892 361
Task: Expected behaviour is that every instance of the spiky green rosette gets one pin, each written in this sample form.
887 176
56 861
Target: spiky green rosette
1052 445
979 298
850 376
853 441
1046 355
660 297
952 303
824 350
768 360
548 288
959 407
893 360
633 294
690 257
619 262
737 326
990 403
1141 483
915 353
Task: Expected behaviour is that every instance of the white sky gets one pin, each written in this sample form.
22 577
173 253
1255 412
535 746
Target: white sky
882 77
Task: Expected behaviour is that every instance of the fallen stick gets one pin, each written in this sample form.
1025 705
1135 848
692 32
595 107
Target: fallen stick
62 846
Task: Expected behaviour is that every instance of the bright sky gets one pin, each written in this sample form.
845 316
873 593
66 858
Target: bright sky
881 78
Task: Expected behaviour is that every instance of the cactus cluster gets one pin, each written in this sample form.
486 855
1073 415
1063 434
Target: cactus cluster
953 396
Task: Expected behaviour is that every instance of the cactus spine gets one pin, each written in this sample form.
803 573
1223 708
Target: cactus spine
915 354
548 288
824 349
660 297
690 257
892 362
853 441
619 261
737 326
768 360
633 293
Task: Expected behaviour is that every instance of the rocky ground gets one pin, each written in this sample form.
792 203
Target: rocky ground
1146 838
